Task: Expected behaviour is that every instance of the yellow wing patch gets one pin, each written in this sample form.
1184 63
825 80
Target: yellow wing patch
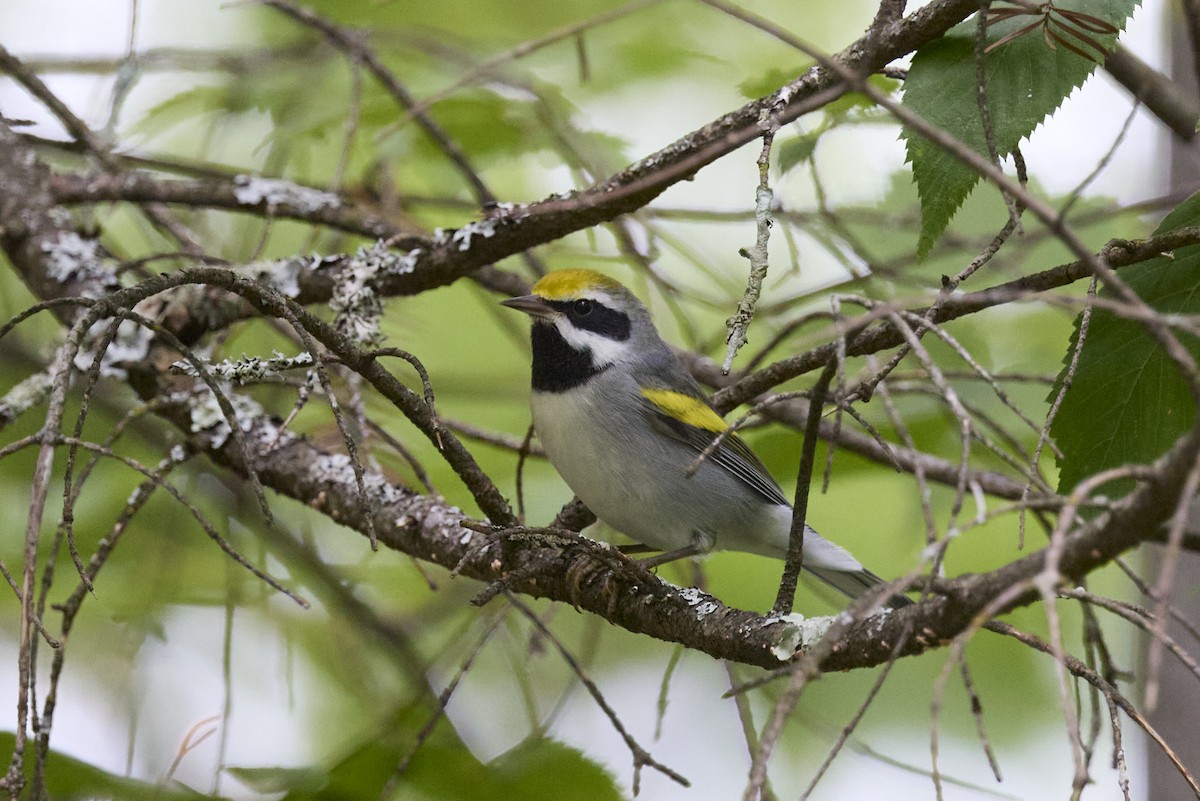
686 409
563 284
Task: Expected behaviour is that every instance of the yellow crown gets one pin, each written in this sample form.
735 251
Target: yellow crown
571 283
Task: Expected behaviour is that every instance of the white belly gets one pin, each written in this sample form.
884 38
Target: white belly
604 468
635 479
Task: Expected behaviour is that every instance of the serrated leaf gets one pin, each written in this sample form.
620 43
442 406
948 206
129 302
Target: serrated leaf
1128 401
539 768
1027 80
1184 215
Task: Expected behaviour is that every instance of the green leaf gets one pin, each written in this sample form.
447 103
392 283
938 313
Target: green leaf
538 770
1027 81
763 85
852 107
850 102
480 121
1128 401
186 107
281 780
70 778
797 150
442 767
1184 215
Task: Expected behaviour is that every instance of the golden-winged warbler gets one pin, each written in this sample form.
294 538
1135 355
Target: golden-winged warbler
622 422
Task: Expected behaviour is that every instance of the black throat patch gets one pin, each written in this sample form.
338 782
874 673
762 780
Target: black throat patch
557 366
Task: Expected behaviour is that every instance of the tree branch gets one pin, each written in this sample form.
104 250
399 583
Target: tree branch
512 229
1117 253
589 575
1162 96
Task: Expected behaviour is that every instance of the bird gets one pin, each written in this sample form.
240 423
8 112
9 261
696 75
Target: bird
623 423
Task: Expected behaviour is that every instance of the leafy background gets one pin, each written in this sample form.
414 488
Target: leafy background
320 704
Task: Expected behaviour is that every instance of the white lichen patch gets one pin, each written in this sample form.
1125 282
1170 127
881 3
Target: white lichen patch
880 615
30 392
355 278
284 274
812 629
356 301
249 369
338 469
334 468
703 603
461 237
130 346
72 258
799 633
442 516
207 415
286 277
379 259
383 490
358 308
251 190
403 265
785 648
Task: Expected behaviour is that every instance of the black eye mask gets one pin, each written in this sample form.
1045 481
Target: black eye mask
589 315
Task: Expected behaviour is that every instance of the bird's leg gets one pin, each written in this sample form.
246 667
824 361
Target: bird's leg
634 547
695 549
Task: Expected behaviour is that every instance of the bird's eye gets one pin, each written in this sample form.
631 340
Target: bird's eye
582 307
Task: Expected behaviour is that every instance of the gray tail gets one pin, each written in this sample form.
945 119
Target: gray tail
855 583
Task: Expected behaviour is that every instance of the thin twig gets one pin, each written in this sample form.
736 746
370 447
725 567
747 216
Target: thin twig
641 757
794 561
739 323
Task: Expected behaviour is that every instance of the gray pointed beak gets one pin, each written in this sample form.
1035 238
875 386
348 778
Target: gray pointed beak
530 304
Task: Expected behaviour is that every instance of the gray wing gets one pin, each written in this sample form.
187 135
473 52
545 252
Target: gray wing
732 455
